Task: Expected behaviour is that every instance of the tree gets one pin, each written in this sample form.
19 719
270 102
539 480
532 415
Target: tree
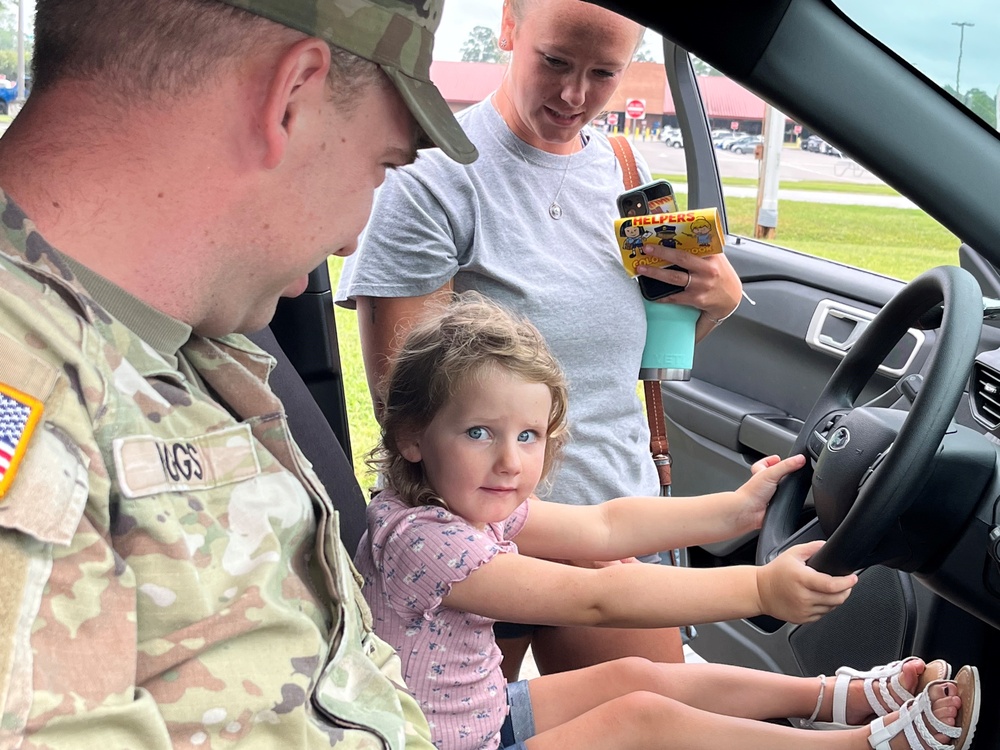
481 46
8 63
982 104
702 68
642 54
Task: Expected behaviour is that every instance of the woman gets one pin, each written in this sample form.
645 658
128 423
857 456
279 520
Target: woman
530 224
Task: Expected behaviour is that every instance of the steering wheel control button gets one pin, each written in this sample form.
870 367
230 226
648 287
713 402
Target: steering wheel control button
994 544
851 455
871 470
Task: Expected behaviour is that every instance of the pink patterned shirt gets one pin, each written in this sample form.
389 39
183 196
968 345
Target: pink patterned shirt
410 557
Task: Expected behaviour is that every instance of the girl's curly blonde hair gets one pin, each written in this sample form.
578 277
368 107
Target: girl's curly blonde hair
466 339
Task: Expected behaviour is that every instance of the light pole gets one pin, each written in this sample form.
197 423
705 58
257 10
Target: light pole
961 41
996 104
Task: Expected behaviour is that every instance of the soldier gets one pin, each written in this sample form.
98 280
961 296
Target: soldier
171 571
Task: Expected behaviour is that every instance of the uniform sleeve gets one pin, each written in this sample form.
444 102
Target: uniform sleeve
426 554
418 231
418 733
66 602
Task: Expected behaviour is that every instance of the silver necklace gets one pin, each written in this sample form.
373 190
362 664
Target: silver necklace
555 210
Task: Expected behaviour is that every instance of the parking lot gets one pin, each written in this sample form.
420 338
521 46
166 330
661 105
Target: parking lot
796 164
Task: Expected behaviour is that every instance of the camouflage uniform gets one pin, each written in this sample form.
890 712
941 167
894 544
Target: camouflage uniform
171 574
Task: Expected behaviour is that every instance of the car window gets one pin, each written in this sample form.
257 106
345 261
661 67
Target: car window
828 204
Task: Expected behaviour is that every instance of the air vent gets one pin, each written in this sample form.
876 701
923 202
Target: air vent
985 392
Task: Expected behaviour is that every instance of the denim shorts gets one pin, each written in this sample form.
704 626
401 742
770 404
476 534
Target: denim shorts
520 722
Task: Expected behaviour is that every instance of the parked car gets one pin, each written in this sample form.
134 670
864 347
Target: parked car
829 148
724 141
832 355
817 144
673 139
746 145
8 94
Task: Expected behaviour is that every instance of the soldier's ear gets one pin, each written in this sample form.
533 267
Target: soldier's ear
295 90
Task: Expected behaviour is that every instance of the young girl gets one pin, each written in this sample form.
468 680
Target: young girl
475 409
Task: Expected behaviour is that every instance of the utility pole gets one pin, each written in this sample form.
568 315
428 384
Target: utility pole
770 166
21 11
961 42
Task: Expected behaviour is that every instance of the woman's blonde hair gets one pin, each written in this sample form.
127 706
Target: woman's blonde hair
469 338
520 7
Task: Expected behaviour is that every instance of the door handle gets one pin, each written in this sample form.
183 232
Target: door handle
821 340
860 324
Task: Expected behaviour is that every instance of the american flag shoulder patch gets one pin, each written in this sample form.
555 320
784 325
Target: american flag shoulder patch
19 415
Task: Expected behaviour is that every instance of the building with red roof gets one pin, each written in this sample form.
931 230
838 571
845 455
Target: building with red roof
726 102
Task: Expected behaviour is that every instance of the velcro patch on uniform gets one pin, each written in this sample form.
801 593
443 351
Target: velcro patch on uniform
19 415
148 465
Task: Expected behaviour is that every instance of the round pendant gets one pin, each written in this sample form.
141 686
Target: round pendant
555 211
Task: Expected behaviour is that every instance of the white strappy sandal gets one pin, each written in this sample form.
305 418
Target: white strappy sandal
885 679
916 719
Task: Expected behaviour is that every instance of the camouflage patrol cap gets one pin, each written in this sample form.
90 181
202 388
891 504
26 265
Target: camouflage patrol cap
398 35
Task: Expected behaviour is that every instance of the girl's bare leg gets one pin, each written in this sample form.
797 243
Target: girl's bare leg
561 649
716 688
646 721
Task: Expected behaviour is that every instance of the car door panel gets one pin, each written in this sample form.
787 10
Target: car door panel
756 377
754 380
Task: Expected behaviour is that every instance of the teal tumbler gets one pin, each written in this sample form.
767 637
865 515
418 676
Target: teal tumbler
669 351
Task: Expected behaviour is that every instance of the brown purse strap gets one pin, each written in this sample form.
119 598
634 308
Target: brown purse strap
659 445
623 152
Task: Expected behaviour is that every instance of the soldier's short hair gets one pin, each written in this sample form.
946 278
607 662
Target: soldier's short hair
138 49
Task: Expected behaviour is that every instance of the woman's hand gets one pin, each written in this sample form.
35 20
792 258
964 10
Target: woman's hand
757 492
710 282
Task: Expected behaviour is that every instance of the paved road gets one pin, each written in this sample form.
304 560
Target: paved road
795 165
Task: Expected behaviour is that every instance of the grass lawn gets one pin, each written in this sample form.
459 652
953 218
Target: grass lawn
896 242
827 187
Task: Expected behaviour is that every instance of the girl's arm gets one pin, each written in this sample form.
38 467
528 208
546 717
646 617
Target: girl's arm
632 526
517 588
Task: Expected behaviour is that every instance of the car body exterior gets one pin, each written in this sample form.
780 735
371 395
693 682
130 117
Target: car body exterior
672 138
8 95
746 145
725 141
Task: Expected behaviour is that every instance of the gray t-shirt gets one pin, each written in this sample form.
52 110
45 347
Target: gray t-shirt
487 226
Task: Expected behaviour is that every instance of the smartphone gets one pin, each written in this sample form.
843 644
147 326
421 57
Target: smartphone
655 197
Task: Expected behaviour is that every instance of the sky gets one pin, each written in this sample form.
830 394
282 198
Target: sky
919 30
922 32
461 16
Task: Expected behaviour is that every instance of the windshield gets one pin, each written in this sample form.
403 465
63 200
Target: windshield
952 43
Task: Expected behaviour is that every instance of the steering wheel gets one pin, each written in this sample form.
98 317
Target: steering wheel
865 465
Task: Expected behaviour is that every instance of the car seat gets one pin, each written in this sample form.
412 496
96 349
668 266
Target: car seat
317 440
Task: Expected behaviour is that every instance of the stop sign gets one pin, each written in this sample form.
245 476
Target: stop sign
635 108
